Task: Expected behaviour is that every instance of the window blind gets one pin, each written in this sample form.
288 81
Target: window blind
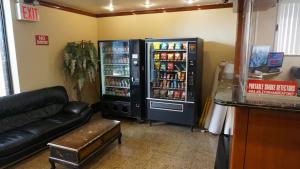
288 33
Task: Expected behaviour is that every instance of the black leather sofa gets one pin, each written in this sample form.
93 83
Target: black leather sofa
29 120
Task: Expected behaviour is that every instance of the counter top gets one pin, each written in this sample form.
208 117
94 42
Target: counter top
229 93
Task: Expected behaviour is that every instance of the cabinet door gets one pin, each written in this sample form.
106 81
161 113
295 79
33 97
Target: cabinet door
167 70
273 140
115 68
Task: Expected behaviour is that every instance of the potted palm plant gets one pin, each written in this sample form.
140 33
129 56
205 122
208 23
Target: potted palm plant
80 64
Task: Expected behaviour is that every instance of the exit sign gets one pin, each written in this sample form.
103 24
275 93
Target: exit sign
27 12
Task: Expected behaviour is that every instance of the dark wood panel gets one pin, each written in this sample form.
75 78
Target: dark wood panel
239 139
273 140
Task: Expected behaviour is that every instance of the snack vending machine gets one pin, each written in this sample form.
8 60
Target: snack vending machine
122 78
174 74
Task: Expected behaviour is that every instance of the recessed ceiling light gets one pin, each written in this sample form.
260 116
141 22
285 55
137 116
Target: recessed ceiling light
190 1
110 7
148 4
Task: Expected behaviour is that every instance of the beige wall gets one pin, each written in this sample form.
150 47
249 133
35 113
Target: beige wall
41 66
265 23
217 27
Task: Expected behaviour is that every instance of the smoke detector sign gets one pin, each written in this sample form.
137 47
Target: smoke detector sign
284 88
27 12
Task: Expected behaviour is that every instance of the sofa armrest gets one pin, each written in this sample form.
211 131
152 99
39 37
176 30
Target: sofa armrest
75 107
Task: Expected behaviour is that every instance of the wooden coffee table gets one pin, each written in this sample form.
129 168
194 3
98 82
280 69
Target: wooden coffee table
76 147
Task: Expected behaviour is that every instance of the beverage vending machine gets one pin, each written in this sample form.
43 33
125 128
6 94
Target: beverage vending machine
173 80
122 78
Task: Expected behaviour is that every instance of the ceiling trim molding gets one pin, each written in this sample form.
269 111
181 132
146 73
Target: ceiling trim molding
64 8
138 12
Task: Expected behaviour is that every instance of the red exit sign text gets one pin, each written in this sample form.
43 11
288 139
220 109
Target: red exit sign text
27 12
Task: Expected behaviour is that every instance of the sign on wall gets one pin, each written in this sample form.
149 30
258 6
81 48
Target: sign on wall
27 12
41 40
273 87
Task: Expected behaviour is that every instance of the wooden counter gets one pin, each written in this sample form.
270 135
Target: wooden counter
265 139
266 132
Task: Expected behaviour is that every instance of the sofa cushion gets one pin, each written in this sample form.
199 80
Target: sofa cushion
61 118
48 127
42 128
13 140
75 107
22 119
28 101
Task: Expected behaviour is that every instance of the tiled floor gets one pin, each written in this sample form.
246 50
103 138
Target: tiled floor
162 146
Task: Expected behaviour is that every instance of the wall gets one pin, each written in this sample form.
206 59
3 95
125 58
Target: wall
217 27
41 66
265 24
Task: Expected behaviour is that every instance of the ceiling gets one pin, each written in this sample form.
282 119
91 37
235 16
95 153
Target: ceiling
101 6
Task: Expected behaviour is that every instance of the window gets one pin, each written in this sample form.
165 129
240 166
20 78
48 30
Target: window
5 78
288 34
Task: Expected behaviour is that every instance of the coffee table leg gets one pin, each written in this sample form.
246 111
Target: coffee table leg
52 164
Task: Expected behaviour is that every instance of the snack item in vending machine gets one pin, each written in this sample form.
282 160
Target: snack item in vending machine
179 75
163 67
174 84
183 96
156 56
126 92
178 45
161 84
182 76
163 56
168 76
177 56
171 45
156 45
179 85
184 56
165 84
176 95
164 46
170 66
163 93
184 45
170 56
170 94
157 65
177 67
168 84
165 75
156 93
